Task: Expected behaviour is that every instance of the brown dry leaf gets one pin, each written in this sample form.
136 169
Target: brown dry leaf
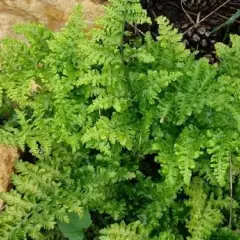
34 87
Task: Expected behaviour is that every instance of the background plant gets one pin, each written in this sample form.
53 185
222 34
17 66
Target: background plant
131 128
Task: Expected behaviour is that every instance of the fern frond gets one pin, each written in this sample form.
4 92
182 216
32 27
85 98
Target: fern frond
204 219
187 149
132 231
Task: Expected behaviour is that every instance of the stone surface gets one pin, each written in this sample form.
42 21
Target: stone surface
52 13
8 155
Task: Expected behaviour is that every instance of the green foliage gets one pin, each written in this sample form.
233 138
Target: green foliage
204 217
129 127
133 231
74 228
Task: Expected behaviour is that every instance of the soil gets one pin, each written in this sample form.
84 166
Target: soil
197 26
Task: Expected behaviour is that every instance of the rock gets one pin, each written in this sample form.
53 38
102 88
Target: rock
201 5
210 58
52 13
201 30
190 32
8 155
185 25
196 37
204 43
207 34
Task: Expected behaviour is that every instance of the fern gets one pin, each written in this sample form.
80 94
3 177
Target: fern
202 213
134 231
130 127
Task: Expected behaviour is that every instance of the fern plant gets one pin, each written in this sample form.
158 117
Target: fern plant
129 127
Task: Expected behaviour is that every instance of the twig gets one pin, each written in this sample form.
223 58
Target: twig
210 14
217 14
224 17
137 29
198 18
3 207
189 17
231 192
174 4
154 14
233 8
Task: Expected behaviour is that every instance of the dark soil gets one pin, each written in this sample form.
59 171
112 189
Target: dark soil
197 26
